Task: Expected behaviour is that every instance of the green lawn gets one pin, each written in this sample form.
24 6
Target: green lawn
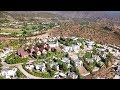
9 30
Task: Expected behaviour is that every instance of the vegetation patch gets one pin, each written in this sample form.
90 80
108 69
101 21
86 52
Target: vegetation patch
13 59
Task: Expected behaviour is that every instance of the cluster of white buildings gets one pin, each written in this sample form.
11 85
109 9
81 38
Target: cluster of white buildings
5 52
74 53
9 73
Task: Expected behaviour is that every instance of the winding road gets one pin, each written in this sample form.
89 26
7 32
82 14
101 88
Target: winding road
27 74
19 66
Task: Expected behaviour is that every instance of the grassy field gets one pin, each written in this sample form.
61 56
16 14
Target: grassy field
9 30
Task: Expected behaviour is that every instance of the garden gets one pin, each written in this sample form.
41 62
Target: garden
14 59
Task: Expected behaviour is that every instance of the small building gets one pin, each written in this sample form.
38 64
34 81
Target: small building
78 63
76 48
73 56
89 60
116 77
72 75
83 71
96 57
41 67
21 52
29 66
60 75
8 73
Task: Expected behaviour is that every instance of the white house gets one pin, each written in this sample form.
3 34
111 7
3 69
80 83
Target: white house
52 64
65 60
89 47
78 63
76 48
6 51
116 77
72 75
73 56
54 44
59 75
2 55
29 66
62 75
96 57
89 60
56 67
41 67
45 40
67 49
8 73
79 43
74 38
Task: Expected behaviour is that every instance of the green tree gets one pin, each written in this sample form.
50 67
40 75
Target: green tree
64 67
94 51
82 46
20 74
51 73
88 55
108 59
24 33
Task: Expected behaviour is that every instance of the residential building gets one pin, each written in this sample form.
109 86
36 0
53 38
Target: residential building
83 71
8 73
78 63
72 75
89 60
96 57
41 67
73 56
76 48
29 66
21 52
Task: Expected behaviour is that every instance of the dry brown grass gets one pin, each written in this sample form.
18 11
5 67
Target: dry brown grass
88 33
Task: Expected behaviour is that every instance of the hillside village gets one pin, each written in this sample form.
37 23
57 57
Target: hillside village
61 58
47 45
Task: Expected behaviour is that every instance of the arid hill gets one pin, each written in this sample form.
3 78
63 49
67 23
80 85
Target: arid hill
96 34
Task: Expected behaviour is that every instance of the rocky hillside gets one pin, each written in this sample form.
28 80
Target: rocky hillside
33 14
98 34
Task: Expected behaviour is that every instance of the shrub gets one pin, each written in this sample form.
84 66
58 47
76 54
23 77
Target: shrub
87 67
88 55
0 64
94 51
82 46
78 73
20 74
1 77
12 59
64 67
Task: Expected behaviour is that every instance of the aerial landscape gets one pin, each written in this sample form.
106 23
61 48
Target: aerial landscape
59 44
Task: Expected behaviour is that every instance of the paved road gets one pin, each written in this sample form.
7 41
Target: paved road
26 73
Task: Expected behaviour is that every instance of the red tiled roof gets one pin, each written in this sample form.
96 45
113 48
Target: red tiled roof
30 47
47 48
41 49
35 48
21 52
